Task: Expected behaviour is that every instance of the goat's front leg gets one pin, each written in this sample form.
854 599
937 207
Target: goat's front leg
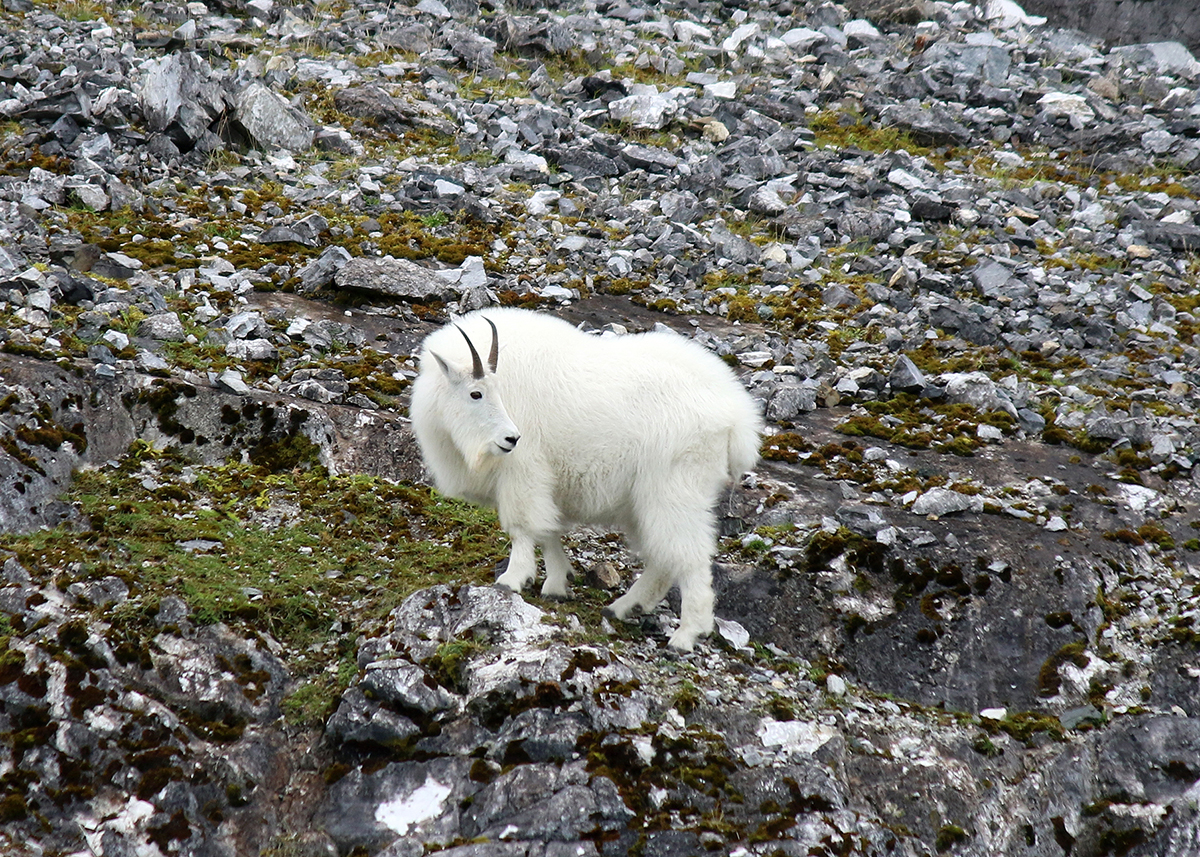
558 568
522 563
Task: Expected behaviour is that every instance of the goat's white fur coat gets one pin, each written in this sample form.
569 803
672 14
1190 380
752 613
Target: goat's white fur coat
639 433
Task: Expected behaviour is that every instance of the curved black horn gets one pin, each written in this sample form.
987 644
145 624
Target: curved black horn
495 353
476 363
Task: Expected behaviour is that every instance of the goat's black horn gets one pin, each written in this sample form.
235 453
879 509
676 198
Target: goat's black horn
476 363
495 352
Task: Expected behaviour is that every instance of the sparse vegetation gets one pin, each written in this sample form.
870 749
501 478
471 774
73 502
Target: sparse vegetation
267 547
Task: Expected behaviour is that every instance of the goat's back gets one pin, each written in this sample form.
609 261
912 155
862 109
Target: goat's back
641 397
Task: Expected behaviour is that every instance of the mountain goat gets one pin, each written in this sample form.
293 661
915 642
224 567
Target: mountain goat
639 433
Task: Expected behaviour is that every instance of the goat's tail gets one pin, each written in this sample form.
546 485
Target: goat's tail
745 439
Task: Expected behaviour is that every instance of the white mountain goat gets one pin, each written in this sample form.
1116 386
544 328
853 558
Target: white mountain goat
639 433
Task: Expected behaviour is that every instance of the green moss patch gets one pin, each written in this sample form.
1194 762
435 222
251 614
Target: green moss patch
785 446
1049 680
842 130
921 424
309 558
862 554
948 836
1147 533
406 235
1025 725
695 766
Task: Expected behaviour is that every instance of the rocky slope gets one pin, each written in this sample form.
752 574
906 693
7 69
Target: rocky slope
1125 21
950 248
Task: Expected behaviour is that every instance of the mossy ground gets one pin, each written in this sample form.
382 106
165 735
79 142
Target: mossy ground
174 231
848 129
311 559
695 765
921 424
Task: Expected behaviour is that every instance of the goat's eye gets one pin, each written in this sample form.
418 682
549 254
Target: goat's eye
475 394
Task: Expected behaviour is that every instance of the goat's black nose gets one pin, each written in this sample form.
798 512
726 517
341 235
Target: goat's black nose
512 439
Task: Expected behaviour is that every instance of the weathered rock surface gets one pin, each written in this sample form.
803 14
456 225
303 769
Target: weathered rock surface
950 249
1126 21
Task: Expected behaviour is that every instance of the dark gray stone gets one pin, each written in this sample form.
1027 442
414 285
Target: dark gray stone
472 50
407 687
582 162
651 158
1124 21
790 401
990 277
1083 715
869 225
925 209
546 803
931 126
358 720
1031 421
369 102
733 247
539 735
527 34
1183 237
321 271
839 296
861 519
182 96
415 38
306 231
905 376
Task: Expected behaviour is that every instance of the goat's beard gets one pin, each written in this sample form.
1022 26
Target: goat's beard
484 458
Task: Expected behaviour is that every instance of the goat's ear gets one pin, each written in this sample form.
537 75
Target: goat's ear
449 371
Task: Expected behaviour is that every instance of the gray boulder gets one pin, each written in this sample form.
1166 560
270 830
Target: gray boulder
165 327
180 94
905 376
271 122
395 278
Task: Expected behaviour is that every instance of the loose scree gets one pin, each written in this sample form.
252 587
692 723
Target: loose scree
638 433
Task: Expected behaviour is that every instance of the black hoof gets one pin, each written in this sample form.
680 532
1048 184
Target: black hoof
634 615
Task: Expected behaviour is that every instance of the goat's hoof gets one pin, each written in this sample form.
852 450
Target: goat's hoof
556 596
504 587
633 614
682 643
515 582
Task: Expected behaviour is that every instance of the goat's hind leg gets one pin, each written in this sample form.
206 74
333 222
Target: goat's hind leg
652 584
677 543
643 596
696 601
